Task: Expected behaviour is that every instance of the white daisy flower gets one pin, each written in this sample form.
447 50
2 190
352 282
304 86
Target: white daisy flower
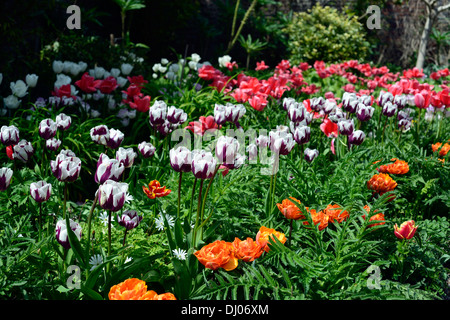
104 218
95 261
180 254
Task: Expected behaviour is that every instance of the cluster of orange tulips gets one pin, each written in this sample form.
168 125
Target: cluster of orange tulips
136 289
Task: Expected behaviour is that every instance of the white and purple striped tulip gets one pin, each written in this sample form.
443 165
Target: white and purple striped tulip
115 138
47 129
63 121
176 115
66 168
5 178
364 112
40 191
61 232
108 169
100 134
203 164
9 135
23 151
53 144
181 159
346 127
227 149
311 154
129 219
302 134
112 195
158 113
357 137
146 149
126 156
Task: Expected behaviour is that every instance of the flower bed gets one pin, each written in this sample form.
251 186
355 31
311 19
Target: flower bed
215 182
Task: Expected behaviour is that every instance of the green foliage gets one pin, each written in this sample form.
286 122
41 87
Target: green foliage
325 34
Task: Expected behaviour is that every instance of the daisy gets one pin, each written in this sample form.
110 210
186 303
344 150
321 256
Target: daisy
95 261
180 254
104 218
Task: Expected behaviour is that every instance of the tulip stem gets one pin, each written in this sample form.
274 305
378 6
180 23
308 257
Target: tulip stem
179 194
40 219
109 232
192 200
206 193
125 237
194 235
65 200
89 223
290 231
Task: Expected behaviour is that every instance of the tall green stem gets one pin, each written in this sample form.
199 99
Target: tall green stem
65 200
89 223
179 194
199 203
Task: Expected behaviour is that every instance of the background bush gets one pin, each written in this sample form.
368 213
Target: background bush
325 34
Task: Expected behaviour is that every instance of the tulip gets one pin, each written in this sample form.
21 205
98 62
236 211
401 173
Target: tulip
115 138
203 164
112 195
175 115
11 102
57 66
157 113
302 134
63 121
349 102
66 167
147 149
422 99
296 112
252 150
406 230
154 190
288 102
19 88
47 129
385 97
317 103
100 134
365 100
281 142
23 151
247 250
357 137
108 169
5 178
364 113
129 219
181 159
62 235
220 114
329 106
389 109
346 127
40 191
31 80
126 156
9 135
227 149
219 254
262 237
400 101
311 154
108 85
126 68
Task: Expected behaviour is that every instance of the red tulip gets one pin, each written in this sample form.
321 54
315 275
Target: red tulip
87 83
406 230
422 99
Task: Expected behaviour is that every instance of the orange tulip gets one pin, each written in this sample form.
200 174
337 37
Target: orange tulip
262 237
130 289
247 250
290 210
219 254
443 151
135 289
155 190
406 230
381 183
334 212
398 167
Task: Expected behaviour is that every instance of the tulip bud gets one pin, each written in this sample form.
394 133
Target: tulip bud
364 112
311 154
252 150
405 124
23 151
19 88
47 129
129 219
100 134
66 167
9 135
61 232
5 178
40 191
287 102
126 156
302 134
357 137
147 149
53 144
400 101
346 127
112 195
329 106
336 115
349 102
126 68
235 112
317 103
63 121
366 100
227 149
181 159
262 141
108 169
157 113
220 116
406 230
115 138
203 164
57 66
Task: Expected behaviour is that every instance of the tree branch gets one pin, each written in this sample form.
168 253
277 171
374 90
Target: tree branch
443 8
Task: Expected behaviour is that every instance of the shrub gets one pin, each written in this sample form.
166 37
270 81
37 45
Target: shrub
325 34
